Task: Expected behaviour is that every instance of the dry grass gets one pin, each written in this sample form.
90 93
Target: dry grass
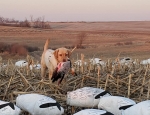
131 81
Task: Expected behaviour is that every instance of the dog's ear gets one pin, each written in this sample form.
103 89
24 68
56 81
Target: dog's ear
56 53
69 53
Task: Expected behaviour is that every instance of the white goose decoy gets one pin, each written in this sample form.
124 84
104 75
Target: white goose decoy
37 66
8 108
21 63
86 97
115 104
125 61
79 63
141 108
148 60
3 66
37 104
97 61
145 62
93 112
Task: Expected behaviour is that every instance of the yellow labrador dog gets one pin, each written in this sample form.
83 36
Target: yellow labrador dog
50 58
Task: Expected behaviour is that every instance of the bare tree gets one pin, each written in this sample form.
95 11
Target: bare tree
25 23
80 38
31 16
40 23
1 20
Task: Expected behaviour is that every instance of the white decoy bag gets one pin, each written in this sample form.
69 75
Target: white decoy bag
37 104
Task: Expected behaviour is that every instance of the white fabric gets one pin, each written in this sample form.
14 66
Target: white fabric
113 103
84 97
7 110
91 112
142 108
32 102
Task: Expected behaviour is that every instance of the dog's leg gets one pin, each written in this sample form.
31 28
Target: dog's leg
43 71
50 76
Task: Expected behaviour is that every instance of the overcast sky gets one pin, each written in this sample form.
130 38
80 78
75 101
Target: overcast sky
77 10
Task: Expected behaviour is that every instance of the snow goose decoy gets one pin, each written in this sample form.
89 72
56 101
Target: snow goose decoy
141 108
97 61
115 104
37 104
86 97
8 108
21 63
93 112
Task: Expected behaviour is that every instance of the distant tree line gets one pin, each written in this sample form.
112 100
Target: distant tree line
34 23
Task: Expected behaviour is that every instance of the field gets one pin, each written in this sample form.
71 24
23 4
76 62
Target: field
102 39
105 40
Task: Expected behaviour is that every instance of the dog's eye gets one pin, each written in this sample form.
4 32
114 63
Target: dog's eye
66 54
60 54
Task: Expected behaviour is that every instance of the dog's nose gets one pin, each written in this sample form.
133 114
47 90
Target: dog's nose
64 60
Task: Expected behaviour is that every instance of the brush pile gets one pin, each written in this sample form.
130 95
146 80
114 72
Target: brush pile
132 81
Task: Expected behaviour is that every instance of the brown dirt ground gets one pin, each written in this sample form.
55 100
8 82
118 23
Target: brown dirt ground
103 39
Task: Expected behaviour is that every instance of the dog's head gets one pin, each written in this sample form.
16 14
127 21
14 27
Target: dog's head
62 54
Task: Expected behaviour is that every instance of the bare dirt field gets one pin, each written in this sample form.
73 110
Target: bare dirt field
102 39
